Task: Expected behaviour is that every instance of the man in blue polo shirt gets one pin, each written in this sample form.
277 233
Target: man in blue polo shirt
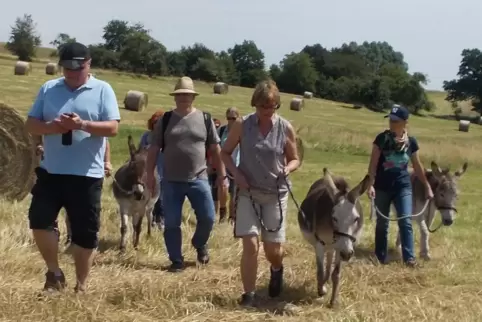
74 114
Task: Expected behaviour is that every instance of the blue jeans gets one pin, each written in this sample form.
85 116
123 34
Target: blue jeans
198 193
402 200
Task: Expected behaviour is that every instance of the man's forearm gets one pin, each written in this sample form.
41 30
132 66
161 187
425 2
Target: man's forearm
38 127
102 128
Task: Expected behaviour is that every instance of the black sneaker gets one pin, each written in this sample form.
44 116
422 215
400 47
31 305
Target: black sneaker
54 283
248 300
202 255
275 282
176 267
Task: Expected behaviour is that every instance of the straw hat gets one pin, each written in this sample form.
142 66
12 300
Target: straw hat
184 85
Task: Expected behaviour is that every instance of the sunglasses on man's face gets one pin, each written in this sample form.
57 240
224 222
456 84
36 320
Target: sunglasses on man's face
229 118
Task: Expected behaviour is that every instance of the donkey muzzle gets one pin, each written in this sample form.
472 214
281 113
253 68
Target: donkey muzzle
139 191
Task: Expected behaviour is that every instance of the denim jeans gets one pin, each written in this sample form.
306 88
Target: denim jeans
402 200
198 193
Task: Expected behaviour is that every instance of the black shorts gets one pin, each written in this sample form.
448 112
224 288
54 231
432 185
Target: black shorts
79 195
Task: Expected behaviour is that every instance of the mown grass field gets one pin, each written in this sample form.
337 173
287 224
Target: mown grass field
134 286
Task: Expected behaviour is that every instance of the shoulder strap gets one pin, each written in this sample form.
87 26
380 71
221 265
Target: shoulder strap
209 128
165 122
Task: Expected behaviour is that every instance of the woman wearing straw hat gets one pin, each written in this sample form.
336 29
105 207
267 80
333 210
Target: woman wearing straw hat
184 135
268 154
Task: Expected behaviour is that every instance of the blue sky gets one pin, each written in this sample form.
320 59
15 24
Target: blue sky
431 34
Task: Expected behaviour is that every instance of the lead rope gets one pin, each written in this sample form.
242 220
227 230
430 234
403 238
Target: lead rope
427 204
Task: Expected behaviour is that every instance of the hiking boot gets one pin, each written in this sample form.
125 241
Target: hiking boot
176 267
53 282
202 255
222 214
275 282
412 263
248 300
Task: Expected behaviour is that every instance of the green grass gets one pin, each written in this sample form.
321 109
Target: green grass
133 288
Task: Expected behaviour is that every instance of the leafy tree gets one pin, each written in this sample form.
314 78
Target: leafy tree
297 74
468 85
24 38
249 63
60 41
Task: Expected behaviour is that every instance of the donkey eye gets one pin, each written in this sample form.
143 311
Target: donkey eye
335 220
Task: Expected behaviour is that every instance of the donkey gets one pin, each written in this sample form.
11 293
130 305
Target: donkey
444 187
130 192
331 220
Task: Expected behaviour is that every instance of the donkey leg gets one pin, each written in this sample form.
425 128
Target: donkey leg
320 278
328 265
137 227
123 229
149 220
335 279
424 235
398 243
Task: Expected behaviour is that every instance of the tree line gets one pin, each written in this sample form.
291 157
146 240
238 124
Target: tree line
372 74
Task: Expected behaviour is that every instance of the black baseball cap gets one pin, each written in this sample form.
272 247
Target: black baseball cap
398 113
73 55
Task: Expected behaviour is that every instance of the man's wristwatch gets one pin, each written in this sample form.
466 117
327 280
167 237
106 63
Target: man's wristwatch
83 125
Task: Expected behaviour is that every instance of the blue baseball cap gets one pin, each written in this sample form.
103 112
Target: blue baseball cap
398 113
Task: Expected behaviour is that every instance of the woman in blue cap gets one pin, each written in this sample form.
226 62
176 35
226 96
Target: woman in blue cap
390 182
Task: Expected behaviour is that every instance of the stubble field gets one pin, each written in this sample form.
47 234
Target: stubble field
136 287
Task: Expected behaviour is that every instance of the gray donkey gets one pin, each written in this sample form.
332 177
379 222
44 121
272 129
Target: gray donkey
444 187
331 220
132 195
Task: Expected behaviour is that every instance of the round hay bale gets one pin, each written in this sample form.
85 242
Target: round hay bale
22 68
464 125
297 104
135 101
301 148
51 69
308 95
220 88
17 158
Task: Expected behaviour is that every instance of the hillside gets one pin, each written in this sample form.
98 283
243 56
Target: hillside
136 287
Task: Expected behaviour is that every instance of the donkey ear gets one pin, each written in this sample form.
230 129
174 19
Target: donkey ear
461 171
435 169
329 180
132 147
360 189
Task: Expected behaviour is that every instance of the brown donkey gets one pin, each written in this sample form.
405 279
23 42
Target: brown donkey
134 198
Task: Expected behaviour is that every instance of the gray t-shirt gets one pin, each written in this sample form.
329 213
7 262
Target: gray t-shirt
185 146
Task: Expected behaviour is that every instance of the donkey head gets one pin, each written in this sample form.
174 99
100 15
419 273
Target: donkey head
346 218
136 169
444 185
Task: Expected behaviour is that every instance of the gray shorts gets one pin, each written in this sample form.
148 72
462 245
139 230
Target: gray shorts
268 207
